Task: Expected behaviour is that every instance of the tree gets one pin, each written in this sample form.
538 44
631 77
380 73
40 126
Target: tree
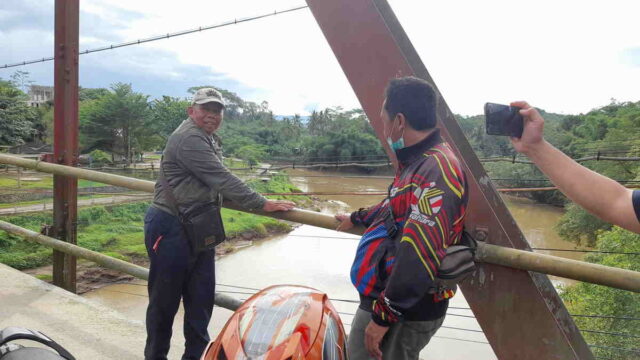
585 298
16 118
341 135
117 122
91 94
252 154
166 115
580 227
21 80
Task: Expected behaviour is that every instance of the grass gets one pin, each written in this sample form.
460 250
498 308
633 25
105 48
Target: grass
280 184
118 230
48 201
45 182
234 163
45 277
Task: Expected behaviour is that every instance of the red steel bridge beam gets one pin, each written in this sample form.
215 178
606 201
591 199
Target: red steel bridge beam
520 312
65 143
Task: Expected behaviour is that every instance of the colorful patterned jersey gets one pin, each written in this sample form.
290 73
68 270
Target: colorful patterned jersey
427 203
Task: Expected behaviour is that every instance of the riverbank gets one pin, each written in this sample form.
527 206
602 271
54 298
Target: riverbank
90 276
117 231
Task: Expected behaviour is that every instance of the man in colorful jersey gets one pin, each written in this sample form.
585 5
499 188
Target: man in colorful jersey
407 234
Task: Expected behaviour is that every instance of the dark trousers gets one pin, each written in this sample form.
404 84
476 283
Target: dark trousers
176 273
403 341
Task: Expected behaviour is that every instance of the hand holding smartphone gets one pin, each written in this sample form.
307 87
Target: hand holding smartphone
503 120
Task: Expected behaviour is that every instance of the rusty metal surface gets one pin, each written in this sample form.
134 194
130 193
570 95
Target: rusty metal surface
65 143
520 312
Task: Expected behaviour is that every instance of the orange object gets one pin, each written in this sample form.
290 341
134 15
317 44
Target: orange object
283 322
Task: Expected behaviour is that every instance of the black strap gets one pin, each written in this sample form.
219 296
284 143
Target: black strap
17 333
168 188
390 220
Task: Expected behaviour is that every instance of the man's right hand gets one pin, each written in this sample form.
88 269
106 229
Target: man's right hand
532 135
278 205
345 222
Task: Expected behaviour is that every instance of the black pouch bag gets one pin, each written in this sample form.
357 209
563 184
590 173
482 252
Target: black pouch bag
458 263
202 224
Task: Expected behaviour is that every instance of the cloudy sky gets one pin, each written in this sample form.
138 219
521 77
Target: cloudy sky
563 56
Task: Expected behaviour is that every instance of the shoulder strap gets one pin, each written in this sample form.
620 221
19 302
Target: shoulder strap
165 184
390 218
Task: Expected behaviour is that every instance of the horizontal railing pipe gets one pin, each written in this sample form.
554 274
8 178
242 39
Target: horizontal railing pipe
513 258
558 266
108 262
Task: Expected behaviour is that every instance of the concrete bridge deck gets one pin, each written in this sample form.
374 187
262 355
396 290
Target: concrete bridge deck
87 329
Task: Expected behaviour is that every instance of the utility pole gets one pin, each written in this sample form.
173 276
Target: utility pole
65 142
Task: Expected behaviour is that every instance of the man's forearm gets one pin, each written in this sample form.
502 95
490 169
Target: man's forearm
596 193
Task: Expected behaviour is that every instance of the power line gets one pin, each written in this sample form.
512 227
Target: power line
448 327
460 315
480 331
159 37
239 287
318 193
462 329
611 333
448 314
326 237
578 160
458 339
589 251
235 292
380 193
607 317
327 164
615 348
346 300
324 176
304 158
547 180
538 249
605 144
513 160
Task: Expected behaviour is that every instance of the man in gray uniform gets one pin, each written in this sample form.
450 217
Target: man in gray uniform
192 165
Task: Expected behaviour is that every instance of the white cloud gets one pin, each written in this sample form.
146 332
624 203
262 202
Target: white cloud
564 56
285 57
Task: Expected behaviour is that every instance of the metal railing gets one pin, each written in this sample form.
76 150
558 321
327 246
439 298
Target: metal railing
513 258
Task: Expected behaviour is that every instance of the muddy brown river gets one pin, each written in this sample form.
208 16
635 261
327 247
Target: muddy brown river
322 258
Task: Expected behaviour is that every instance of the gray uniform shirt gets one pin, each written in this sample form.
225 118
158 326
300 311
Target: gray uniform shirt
192 164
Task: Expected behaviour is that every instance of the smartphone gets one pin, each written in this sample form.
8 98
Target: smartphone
503 120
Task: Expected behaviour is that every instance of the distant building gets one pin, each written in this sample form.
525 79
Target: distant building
39 95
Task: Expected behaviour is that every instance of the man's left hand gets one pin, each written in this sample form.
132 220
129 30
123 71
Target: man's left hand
373 337
278 205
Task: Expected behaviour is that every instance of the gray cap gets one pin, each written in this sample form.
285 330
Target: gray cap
206 95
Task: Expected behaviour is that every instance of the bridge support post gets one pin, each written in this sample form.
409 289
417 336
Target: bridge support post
65 142
520 312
